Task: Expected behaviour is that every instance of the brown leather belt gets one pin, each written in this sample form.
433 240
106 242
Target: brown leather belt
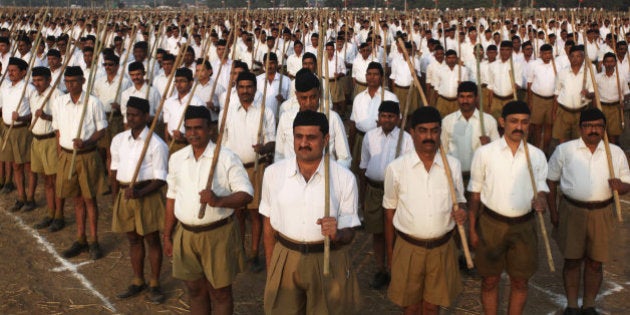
79 152
509 220
44 137
603 104
449 99
375 184
401 87
428 243
543 97
590 205
572 110
304 248
137 185
503 98
208 227
361 83
16 126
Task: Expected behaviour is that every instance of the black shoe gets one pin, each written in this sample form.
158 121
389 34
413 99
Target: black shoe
132 291
255 265
44 223
56 225
95 251
29 206
155 295
589 311
17 206
571 311
74 250
7 188
381 279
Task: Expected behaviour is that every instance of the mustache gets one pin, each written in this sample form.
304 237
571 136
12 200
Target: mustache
428 141
307 148
593 134
518 131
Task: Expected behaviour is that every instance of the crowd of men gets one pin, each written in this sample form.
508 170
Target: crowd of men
197 127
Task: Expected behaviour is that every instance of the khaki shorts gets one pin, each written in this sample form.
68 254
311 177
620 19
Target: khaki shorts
256 183
566 126
414 101
18 148
445 106
44 156
358 88
613 119
336 90
541 110
216 255
176 147
356 153
509 247
373 212
296 285
420 274
583 232
143 215
496 107
87 180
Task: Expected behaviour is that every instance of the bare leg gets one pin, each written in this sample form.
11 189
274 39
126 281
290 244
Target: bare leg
92 211
155 256
593 277
79 210
199 296
136 255
490 294
518 296
256 230
571 277
222 300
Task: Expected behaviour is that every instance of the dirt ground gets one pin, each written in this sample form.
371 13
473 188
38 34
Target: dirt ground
34 279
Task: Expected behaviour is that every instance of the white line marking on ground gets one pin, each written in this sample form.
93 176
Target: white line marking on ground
625 201
561 301
62 268
65 264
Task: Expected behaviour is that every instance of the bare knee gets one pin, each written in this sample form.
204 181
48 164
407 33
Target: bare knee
134 239
592 265
197 289
153 240
430 307
490 283
222 295
572 264
518 284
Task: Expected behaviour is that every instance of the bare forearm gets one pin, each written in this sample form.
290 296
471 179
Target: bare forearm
269 239
169 218
344 236
389 233
234 201
474 204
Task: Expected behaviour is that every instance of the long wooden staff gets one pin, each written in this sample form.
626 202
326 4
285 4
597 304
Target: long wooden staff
326 268
611 170
217 147
6 71
85 103
259 135
512 79
122 73
478 52
192 92
460 227
214 85
619 89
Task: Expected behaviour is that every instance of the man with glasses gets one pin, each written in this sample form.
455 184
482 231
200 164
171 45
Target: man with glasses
585 221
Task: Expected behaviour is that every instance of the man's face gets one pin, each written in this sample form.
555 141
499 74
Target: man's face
139 54
528 51
309 63
365 51
183 85
388 121
610 63
62 44
167 65
592 131
467 101
309 143
298 49
74 85
202 73
516 43
189 57
41 83
23 47
330 51
505 53
451 60
136 118
373 78
426 137
273 66
439 55
308 100
15 74
220 51
546 56
622 50
54 62
137 76
492 55
4 48
576 58
246 90
111 68
197 132
234 74
516 126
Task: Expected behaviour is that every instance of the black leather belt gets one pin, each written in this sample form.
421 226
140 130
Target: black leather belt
610 104
509 220
503 98
543 97
44 137
137 185
252 164
79 152
208 227
401 87
590 205
572 110
16 126
375 184
304 248
428 243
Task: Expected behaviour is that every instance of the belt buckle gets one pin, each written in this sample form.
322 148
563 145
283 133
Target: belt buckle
303 248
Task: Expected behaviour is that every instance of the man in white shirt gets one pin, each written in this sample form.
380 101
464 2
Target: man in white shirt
447 79
16 115
461 130
379 148
419 210
174 108
139 89
609 86
585 221
86 180
277 84
241 136
161 80
500 83
207 252
44 155
541 81
359 68
138 211
402 79
294 61
504 233
293 199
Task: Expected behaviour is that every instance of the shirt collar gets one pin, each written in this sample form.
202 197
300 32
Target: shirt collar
582 145
504 146
414 159
207 153
293 169
143 134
